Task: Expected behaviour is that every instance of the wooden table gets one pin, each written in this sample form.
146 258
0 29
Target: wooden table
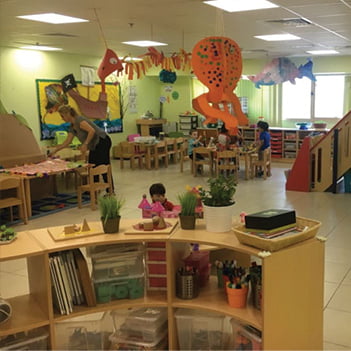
28 176
246 154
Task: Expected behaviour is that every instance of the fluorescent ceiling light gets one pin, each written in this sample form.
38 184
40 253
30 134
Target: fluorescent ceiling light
144 43
323 52
277 37
53 18
241 5
131 59
40 48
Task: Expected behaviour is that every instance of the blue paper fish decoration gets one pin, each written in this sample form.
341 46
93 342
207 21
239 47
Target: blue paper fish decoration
280 70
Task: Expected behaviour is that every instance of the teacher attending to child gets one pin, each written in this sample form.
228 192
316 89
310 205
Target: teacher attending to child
89 134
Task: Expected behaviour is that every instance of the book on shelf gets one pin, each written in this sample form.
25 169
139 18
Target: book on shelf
84 278
71 283
57 296
283 233
272 231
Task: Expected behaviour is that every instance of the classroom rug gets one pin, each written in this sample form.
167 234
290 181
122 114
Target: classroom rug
45 206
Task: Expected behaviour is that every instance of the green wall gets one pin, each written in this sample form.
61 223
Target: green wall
20 68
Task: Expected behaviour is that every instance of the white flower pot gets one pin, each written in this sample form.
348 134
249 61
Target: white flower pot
218 219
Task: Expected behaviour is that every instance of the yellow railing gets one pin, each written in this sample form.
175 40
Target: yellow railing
322 155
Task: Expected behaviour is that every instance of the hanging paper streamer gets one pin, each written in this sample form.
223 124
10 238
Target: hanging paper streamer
280 70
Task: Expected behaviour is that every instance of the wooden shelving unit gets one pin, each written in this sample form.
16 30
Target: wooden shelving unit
187 123
292 307
285 142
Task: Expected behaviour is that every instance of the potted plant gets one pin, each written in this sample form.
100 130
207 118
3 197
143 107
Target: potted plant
188 201
218 203
110 207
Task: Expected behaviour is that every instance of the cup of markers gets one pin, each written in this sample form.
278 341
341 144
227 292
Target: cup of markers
237 288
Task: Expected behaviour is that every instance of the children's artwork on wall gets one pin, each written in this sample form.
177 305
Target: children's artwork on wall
132 101
168 88
175 95
280 70
50 95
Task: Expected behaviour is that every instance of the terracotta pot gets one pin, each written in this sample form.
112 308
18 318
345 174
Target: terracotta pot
111 225
187 222
237 297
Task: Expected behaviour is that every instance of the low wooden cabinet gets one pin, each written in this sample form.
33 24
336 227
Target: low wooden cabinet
148 127
292 306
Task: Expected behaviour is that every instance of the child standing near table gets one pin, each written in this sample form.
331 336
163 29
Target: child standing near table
264 141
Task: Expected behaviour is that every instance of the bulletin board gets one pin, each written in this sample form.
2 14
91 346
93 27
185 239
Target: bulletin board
49 90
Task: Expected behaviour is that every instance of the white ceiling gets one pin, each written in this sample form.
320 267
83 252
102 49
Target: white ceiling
180 23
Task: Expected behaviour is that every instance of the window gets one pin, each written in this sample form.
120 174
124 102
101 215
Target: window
299 102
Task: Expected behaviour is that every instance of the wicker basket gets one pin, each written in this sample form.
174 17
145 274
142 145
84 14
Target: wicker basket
278 243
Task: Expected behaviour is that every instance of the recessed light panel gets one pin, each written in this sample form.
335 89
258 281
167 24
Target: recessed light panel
40 48
53 18
241 5
323 52
277 37
144 43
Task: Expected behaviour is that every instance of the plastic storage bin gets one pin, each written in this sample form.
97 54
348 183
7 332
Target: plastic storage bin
201 261
88 332
199 330
116 289
141 329
144 324
122 266
156 254
246 337
154 267
21 341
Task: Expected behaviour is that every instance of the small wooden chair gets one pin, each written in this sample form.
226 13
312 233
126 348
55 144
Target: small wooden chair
95 186
264 164
13 184
161 153
171 148
227 162
205 159
183 152
128 151
179 142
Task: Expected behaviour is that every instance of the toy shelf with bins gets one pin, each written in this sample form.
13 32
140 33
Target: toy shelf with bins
188 122
285 142
292 305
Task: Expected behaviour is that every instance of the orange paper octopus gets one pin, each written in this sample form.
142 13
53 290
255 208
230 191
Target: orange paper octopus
217 63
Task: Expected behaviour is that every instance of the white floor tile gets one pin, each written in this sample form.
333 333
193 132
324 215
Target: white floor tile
337 327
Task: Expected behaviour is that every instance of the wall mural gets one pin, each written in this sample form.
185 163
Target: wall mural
50 93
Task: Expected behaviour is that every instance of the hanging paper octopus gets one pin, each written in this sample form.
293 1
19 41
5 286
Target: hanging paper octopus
217 63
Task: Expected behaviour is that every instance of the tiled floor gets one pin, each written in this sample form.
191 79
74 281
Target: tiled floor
333 210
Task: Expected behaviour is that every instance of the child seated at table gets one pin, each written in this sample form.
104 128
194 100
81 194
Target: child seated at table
158 193
194 141
223 139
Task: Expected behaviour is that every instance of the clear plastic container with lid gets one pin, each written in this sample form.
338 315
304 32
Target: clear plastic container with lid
145 325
